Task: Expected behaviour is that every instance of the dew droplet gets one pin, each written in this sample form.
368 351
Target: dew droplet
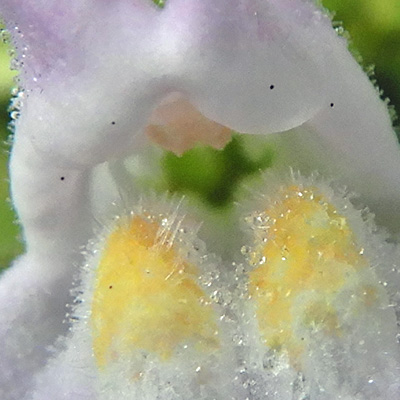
245 250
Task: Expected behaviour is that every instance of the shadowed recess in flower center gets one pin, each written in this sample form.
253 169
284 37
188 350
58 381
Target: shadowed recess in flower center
193 140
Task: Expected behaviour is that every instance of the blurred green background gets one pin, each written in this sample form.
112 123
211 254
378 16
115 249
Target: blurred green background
374 27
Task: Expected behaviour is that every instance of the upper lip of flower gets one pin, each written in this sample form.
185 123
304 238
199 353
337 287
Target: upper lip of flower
255 67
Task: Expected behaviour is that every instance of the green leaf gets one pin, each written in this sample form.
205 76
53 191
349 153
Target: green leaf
160 3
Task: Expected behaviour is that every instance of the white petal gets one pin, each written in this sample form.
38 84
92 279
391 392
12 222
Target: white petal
203 364
351 139
253 66
331 299
32 311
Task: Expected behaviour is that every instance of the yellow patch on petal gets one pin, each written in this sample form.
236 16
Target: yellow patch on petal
147 298
309 254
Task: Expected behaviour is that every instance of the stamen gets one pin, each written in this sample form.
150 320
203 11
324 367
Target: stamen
178 126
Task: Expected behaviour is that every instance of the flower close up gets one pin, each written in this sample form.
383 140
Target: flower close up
117 296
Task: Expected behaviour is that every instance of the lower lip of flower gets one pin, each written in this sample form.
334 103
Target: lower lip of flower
306 257
164 312
147 297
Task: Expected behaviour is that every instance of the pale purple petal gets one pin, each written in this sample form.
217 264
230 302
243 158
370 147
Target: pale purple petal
32 23
93 74
248 67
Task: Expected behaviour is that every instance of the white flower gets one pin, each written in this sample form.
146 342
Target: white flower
97 76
